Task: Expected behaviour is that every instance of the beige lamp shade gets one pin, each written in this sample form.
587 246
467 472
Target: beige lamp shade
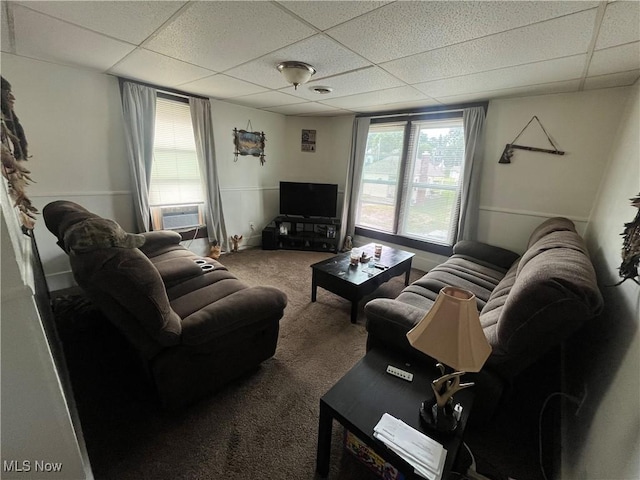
451 332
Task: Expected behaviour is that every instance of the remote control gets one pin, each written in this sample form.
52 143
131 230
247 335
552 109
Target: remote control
396 372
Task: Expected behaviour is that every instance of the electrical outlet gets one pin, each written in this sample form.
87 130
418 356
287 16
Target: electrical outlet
252 226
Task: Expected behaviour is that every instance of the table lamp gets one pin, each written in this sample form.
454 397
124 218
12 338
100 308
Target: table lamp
451 333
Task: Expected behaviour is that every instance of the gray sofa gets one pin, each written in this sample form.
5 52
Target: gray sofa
528 304
194 324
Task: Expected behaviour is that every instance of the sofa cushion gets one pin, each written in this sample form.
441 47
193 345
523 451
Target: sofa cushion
496 258
129 278
462 272
243 307
555 224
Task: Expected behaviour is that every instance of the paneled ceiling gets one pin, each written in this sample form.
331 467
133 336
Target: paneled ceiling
375 55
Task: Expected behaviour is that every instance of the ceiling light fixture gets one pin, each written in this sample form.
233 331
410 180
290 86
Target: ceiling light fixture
296 73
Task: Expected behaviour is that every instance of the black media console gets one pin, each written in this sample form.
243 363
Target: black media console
320 234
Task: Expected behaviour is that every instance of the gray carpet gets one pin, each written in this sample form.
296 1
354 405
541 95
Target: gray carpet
262 426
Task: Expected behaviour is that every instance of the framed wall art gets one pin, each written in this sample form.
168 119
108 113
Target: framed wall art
308 140
249 143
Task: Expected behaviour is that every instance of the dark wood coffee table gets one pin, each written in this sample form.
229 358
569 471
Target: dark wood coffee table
354 282
366 392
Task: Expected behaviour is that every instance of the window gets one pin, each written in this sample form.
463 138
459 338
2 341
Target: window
175 190
411 179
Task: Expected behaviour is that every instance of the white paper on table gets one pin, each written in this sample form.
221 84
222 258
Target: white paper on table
422 452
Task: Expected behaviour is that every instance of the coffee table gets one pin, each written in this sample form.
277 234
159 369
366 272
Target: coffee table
366 392
354 282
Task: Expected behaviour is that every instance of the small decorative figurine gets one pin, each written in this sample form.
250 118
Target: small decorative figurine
348 244
214 252
235 240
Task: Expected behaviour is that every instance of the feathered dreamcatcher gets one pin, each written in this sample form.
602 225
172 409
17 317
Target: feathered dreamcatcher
14 156
631 247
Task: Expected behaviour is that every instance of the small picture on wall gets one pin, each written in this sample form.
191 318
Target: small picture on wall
308 140
249 143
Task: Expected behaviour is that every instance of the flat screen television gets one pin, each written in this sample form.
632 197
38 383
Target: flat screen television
308 199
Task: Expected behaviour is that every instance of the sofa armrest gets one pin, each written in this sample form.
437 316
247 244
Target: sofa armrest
498 256
390 320
159 239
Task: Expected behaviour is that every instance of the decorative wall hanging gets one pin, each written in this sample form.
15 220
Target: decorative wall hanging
631 247
14 157
308 140
507 153
249 143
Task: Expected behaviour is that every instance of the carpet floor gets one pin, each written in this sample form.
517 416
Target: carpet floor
264 425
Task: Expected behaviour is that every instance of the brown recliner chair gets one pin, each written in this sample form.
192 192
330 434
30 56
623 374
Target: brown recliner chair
195 325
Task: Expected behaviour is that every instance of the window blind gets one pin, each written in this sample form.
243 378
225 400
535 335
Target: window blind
175 175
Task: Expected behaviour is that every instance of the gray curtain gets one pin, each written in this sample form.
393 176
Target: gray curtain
473 120
139 112
203 131
354 174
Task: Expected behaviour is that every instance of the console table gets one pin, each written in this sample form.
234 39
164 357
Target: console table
320 234
366 392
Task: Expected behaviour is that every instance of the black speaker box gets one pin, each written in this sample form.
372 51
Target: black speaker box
269 238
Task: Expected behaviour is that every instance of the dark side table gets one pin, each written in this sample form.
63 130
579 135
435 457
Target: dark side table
366 392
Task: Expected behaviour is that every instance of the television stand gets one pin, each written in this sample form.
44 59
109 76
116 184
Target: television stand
320 234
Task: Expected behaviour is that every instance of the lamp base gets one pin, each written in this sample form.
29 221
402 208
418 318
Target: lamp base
441 419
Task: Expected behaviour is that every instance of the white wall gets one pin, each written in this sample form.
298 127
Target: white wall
536 186
249 190
72 121
603 442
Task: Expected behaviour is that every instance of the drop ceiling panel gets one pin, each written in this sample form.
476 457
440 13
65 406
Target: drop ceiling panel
45 38
615 59
557 38
158 69
431 52
305 108
221 35
326 55
548 88
612 80
380 97
267 99
621 24
132 21
324 15
222 86
394 107
406 28
360 81
568 68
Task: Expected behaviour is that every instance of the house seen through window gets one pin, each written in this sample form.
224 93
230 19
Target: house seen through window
411 178
175 190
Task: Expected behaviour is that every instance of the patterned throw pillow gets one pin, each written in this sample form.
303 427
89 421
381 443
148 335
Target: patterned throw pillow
96 233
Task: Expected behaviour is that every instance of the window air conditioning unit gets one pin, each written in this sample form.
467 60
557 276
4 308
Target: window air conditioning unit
185 216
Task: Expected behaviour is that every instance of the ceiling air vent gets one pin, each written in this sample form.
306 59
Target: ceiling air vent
321 90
